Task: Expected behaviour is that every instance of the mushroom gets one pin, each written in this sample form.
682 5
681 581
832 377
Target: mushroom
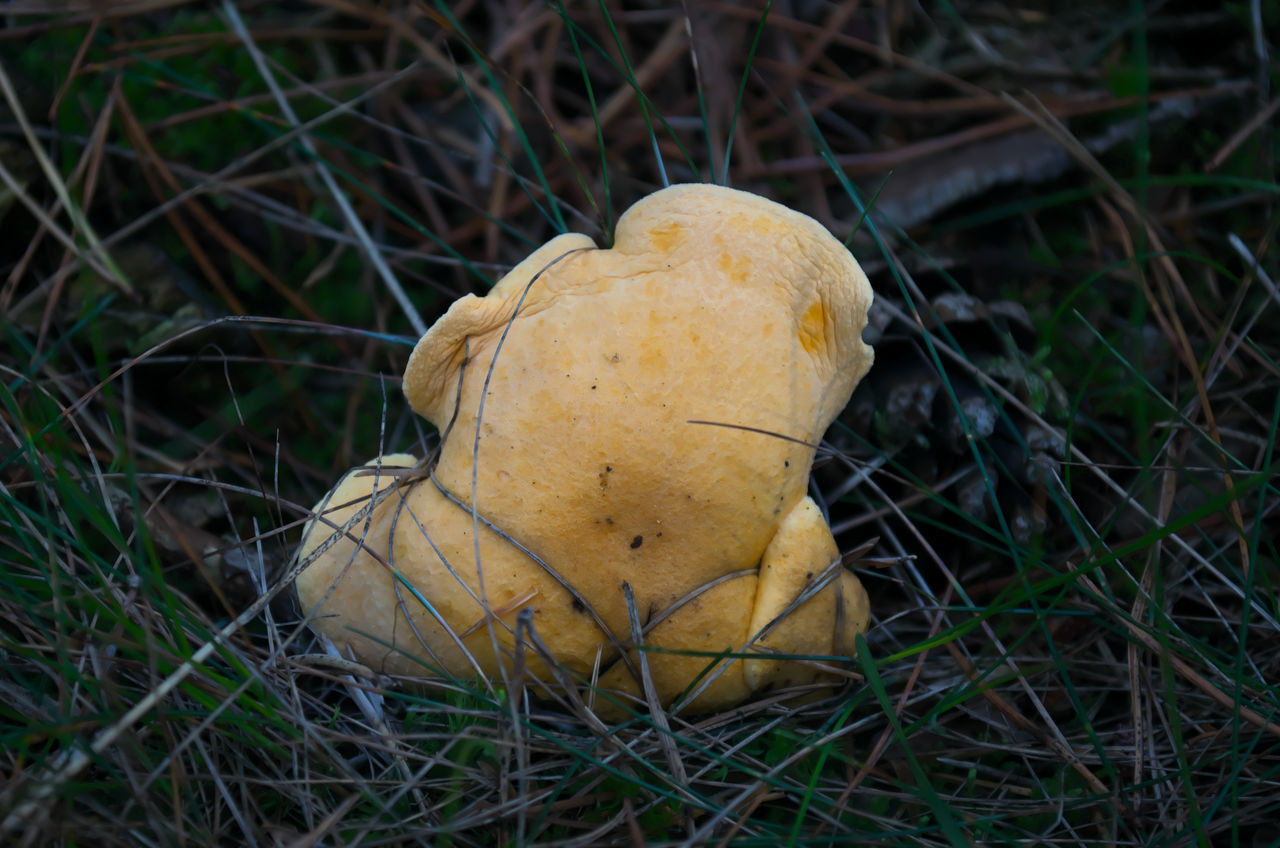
648 417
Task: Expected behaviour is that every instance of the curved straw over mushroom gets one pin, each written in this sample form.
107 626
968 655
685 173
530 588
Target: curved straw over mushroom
574 400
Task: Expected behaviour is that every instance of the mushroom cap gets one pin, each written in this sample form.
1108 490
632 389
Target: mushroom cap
691 234
641 414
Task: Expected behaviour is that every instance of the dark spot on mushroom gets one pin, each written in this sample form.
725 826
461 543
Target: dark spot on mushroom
786 463
608 468
579 606
637 542
808 575
608 521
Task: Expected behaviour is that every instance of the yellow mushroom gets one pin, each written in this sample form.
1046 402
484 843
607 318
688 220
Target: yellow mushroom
647 414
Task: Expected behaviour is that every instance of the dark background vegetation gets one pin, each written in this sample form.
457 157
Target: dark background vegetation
1065 452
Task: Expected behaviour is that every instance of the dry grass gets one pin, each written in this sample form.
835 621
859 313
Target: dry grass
224 226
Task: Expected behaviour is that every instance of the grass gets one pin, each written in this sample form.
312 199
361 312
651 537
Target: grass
225 225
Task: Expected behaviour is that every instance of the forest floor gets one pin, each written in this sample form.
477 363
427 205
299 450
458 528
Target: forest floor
223 226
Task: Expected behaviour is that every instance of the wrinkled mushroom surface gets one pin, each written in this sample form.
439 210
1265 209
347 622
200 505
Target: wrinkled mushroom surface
590 469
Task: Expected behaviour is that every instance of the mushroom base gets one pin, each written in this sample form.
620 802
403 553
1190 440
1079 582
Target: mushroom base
405 569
